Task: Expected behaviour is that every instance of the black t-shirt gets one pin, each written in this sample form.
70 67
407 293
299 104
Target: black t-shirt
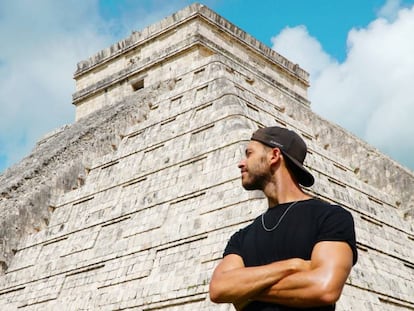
305 224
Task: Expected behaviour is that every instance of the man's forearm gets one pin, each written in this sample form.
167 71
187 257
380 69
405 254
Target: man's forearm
305 289
322 285
240 284
301 289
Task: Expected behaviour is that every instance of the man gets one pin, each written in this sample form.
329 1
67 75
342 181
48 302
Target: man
299 253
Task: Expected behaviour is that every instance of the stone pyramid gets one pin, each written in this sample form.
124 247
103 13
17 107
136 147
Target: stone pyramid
130 207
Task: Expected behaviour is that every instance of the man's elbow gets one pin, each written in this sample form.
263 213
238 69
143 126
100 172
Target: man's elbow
323 293
330 296
220 292
216 294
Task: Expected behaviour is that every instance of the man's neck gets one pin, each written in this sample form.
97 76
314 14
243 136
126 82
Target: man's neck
273 202
278 193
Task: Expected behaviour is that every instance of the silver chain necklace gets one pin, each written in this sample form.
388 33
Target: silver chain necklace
280 219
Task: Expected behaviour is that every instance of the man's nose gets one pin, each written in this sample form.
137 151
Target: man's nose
241 164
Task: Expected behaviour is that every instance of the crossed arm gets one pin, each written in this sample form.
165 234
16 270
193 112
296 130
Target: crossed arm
293 282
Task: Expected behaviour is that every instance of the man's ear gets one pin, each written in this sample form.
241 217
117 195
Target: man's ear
275 155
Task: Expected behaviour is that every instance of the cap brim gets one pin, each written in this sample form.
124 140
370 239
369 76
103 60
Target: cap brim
302 175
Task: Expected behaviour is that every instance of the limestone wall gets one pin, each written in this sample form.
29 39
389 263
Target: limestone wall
55 166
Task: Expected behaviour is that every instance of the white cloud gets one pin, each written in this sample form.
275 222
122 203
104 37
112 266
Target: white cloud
371 92
390 9
308 54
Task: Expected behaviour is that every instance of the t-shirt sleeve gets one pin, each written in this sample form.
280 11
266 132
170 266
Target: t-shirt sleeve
234 245
337 224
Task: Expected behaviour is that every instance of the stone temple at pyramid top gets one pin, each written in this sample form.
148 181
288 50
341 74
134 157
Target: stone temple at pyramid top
155 53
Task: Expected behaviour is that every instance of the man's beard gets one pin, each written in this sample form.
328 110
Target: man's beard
256 181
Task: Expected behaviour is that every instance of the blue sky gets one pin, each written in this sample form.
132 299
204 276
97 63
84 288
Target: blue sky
359 55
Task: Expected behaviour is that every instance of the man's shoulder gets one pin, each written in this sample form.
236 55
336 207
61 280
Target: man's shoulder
318 204
322 204
324 207
250 227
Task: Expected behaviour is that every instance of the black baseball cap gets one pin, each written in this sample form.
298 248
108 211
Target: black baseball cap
291 145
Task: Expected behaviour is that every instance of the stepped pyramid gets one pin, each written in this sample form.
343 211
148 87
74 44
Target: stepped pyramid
130 207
